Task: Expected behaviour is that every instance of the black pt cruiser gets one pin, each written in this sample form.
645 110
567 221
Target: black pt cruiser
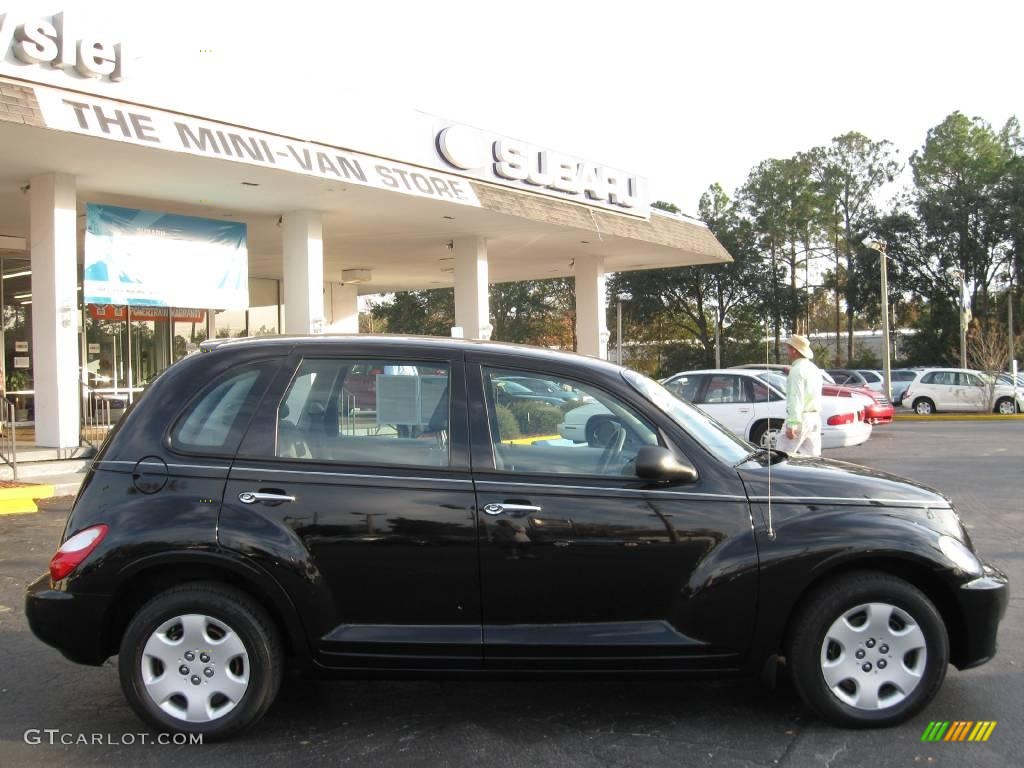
250 512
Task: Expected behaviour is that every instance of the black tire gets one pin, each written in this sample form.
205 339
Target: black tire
759 430
808 651
236 611
923 406
1001 404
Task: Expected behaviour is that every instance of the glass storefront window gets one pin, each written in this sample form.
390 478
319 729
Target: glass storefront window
17 335
189 331
230 323
263 307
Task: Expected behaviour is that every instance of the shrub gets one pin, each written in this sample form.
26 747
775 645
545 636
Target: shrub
537 418
508 425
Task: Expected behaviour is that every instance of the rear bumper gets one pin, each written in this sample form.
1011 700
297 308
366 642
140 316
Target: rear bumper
880 414
71 623
982 603
846 436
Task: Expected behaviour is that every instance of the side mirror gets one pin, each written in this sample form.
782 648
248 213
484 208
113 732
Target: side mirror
656 463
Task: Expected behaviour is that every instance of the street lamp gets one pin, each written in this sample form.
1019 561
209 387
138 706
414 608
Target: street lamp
879 245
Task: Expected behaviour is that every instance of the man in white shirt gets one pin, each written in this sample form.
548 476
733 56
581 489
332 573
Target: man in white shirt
802 433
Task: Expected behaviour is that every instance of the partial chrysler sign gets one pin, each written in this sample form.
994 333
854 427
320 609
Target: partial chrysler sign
52 41
510 162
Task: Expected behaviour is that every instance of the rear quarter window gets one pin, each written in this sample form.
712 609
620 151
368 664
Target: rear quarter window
214 421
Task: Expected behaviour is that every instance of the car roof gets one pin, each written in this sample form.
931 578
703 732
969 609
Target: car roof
355 341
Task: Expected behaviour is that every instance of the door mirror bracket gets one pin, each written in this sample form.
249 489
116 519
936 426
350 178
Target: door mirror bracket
653 462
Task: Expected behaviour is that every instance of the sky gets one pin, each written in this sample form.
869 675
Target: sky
684 93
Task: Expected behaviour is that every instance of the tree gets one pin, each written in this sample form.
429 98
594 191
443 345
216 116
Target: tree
960 177
850 173
987 350
683 302
430 312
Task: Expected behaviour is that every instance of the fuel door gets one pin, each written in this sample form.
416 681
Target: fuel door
149 475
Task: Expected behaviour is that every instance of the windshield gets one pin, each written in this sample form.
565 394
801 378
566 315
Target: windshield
776 380
705 430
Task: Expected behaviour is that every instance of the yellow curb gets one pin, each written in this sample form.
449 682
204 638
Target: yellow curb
22 499
960 417
531 440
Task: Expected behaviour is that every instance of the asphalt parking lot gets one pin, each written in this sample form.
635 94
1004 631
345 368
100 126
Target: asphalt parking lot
552 723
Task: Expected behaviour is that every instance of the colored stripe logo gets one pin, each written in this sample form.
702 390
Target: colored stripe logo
958 730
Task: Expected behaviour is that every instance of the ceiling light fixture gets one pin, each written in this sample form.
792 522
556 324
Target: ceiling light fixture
356 276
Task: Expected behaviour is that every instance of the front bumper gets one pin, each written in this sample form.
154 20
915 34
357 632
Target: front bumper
982 602
72 623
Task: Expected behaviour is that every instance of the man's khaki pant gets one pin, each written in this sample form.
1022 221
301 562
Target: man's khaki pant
808 437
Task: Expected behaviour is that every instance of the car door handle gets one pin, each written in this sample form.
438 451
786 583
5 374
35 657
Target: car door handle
497 509
743 410
251 497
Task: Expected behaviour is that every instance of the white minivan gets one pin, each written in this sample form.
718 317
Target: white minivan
960 389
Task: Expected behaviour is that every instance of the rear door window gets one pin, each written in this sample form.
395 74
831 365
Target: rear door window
388 412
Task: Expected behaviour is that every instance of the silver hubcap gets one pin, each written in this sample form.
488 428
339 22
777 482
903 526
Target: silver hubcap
924 408
769 437
873 656
1007 407
195 668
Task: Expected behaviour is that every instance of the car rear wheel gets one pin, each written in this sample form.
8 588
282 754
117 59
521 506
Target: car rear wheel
1006 406
924 407
202 658
868 650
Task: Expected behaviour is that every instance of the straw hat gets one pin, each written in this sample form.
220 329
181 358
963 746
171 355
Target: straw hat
801 345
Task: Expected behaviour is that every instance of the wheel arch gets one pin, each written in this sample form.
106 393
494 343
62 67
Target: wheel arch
147 577
919 398
920 574
764 421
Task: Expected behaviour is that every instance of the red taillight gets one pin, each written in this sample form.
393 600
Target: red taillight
73 551
841 418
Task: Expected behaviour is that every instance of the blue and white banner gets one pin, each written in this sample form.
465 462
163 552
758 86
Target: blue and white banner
148 258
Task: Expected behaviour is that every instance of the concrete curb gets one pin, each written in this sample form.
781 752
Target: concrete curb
959 417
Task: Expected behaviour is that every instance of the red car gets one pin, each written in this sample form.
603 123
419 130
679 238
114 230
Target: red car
879 412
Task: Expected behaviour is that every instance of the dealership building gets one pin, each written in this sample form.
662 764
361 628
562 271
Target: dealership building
133 224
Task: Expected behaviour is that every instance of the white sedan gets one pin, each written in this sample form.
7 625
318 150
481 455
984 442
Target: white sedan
752 405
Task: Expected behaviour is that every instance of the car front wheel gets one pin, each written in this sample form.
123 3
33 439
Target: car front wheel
868 650
1006 406
201 658
924 407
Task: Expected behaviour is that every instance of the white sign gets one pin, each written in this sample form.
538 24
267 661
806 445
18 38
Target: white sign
21 346
21 362
107 119
501 159
94 348
52 41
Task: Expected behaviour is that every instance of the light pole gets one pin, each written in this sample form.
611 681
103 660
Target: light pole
618 325
879 245
961 276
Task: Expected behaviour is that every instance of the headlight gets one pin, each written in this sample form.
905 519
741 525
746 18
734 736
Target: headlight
960 555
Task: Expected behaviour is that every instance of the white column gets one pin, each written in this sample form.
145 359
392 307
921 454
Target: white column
591 328
303 256
342 307
472 309
54 350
